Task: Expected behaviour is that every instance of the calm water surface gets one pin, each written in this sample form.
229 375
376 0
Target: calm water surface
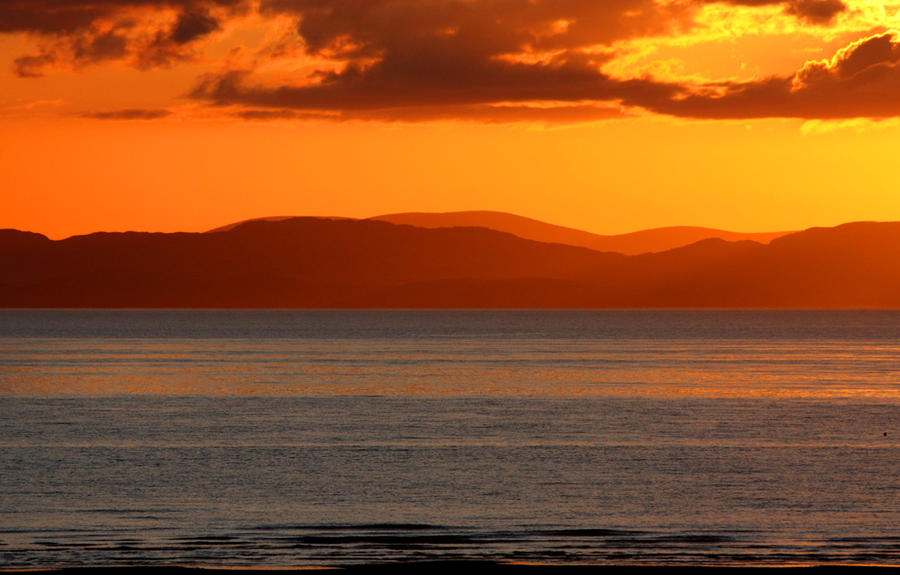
291 438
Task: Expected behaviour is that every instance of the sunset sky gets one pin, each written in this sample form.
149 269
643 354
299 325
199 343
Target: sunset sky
610 116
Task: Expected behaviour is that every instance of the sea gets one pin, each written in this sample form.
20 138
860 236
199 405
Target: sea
285 438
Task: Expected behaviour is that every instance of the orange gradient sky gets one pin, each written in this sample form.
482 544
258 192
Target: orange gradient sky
750 115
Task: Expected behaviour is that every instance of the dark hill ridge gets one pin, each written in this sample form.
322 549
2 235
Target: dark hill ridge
639 242
299 262
315 262
849 266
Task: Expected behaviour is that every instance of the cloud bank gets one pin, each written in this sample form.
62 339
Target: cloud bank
479 60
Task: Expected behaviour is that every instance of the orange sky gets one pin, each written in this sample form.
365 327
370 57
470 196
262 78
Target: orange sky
751 115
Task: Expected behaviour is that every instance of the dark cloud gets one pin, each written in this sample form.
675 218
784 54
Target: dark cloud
817 11
80 32
354 28
66 16
489 114
487 60
33 66
78 49
812 11
264 115
484 113
129 114
52 16
418 81
83 32
407 91
173 45
419 59
433 59
109 45
861 81
351 28
193 23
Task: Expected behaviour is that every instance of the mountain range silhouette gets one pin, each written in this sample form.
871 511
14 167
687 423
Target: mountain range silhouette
374 263
643 241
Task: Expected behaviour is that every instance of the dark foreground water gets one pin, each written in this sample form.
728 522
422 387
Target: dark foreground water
284 438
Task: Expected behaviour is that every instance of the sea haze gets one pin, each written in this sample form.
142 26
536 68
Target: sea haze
293 438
